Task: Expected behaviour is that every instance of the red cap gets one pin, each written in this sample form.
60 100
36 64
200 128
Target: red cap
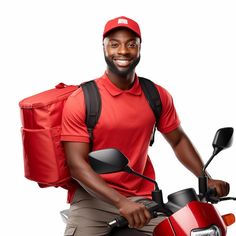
122 21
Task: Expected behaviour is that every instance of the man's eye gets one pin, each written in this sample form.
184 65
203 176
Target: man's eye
114 45
132 45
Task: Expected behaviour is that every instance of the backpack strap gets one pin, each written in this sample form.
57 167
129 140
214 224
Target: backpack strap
93 103
154 100
93 106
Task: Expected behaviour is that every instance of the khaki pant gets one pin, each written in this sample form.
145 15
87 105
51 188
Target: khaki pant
88 216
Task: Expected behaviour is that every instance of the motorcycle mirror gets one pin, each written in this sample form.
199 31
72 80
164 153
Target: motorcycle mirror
107 161
112 160
223 139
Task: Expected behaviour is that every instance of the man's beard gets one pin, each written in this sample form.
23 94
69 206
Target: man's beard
123 73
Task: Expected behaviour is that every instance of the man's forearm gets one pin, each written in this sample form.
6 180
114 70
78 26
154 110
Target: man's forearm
185 151
92 182
188 155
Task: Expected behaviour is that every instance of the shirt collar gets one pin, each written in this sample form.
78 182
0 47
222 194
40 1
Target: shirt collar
115 91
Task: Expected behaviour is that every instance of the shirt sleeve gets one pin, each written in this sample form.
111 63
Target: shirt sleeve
169 119
73 119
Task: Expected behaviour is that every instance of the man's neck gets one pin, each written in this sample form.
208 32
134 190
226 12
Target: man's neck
123 83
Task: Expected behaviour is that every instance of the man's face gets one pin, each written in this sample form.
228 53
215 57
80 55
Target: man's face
122 51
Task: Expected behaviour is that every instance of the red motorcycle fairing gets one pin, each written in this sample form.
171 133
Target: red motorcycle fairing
195 215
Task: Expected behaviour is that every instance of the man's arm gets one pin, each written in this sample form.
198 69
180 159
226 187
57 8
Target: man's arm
77 159
189 157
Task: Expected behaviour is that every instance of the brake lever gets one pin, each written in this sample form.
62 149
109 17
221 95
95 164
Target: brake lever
227 198
211 196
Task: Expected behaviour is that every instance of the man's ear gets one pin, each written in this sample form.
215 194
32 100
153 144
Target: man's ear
140 43
104 42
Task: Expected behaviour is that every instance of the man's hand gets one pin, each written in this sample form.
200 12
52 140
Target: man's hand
222 187
136 213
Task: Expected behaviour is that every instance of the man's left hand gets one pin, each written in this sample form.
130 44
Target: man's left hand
222 187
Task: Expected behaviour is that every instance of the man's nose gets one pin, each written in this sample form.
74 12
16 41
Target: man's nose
123 49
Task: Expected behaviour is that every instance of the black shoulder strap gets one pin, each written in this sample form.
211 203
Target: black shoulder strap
153 97
93 105
93 102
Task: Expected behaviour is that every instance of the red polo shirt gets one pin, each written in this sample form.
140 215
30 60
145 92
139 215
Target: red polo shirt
126 123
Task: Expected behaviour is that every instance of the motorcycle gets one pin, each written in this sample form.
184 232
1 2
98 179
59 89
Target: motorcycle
187 213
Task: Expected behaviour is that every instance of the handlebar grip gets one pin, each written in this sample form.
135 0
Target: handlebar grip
120 221
212 192
211 195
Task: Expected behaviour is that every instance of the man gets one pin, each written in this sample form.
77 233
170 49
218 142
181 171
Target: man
126 122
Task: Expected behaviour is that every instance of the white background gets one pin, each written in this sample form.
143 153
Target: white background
188 47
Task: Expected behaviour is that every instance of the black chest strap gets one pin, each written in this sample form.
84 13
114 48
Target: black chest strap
153 97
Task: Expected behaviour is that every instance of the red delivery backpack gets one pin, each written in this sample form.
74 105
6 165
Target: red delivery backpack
44 160
41 117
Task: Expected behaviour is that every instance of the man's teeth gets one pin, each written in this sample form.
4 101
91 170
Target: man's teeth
122 62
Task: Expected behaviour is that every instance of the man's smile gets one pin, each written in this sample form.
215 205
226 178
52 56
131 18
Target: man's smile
122 62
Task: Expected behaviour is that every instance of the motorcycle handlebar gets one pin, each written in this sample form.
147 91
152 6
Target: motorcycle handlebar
154 208
211 196
120 221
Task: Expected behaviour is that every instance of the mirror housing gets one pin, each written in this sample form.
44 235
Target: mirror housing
223 139
108 161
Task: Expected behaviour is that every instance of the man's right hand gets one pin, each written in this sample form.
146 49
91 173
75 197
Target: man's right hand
136 213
